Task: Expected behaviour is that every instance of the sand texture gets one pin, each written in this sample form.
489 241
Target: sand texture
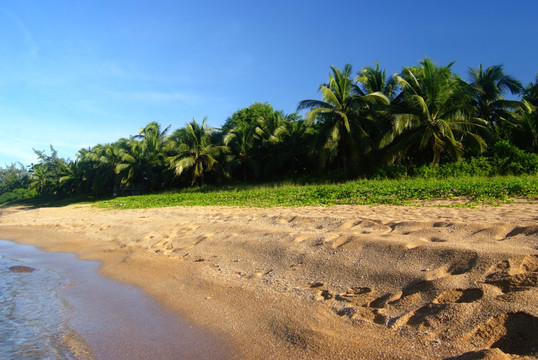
343 282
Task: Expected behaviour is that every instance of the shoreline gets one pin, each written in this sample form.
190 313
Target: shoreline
344 281
99 318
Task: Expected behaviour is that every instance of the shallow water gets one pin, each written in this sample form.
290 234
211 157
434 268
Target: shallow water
65 310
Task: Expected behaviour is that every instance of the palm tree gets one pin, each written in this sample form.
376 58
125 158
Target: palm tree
530 93
292 152
526 135
132 166
434 113
104 159
338 116
153 139
273 132
488 87
74 177
195 152
241 140
142 157
374 80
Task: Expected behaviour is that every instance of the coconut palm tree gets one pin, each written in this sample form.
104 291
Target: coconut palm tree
338 117
133 166
103 159
526 135
374 80
434 113
142 157
530 93
292 152
196 152
242 141
488 87
153 140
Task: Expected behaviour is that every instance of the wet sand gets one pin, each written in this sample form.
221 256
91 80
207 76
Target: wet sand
111 320
348 282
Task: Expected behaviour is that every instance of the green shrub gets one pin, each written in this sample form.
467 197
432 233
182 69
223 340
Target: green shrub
17 194
507 159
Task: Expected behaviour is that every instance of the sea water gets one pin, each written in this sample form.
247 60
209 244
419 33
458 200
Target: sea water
66 310
33 317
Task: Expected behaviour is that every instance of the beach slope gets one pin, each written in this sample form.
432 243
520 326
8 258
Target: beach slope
346 282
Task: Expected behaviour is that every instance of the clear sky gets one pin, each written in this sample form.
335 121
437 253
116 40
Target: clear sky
78 73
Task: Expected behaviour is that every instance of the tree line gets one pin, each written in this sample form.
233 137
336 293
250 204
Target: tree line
365 124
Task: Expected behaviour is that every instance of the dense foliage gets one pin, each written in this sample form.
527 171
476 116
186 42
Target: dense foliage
425 121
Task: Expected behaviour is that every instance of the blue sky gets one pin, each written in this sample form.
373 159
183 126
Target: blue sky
77 73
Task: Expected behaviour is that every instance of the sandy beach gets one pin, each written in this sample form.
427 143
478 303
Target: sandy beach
342 282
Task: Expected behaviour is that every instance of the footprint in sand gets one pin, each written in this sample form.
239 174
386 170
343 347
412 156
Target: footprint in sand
464 263
454 296
513 333
426 314
525 230
365 227
508 276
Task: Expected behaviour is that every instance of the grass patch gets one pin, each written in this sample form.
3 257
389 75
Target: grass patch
469 191
50 201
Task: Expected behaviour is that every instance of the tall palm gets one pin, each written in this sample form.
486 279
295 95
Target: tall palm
74 177
242 140
132 166
530 93
434 113
526 135
374 80
488 86
292 152
142 157
196 152
338 116
274 132
105 159
153 139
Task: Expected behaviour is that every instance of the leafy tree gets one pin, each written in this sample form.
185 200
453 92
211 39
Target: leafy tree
46 174
434 113
14 176
257 131
249 115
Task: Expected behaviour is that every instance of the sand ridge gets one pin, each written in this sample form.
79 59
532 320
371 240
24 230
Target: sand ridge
350 282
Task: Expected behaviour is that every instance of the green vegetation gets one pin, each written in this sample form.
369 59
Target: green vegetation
424 123
467 191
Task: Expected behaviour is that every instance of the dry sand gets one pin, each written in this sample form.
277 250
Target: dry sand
343 282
